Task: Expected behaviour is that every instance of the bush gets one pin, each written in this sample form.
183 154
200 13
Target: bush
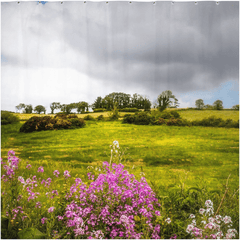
77 122
143 118
177 122
216 122
72 116
89 118
129 110
159 121
99 110
49 123
61 115
175 114
100 117
129 118
8 118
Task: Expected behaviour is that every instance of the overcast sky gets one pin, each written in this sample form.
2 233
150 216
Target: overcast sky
76 51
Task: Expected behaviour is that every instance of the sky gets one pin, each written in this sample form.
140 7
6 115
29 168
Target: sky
76 51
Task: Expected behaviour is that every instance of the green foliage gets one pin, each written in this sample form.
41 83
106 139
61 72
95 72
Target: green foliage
20 106
143 118
28 108
55 105
212 121
166 99
99 110
177 122
235 107
218 105
114 114
8 118
39 108
31 233
50 123
89 118
159 121
129 110
100 118
129 118
199 104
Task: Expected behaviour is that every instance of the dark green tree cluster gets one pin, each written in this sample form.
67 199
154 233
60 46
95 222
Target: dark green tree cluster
217 105
121 101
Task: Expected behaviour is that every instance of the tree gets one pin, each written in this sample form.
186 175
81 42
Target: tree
54 105
199 103
208 106
218 105
235 107
20 106
28 108
39 108
82 107
167 99
67 108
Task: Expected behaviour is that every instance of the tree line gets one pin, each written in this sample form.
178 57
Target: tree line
120 101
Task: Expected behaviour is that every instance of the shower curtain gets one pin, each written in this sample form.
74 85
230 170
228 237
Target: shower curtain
71 51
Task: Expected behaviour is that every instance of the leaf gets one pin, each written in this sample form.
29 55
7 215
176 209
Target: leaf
31 233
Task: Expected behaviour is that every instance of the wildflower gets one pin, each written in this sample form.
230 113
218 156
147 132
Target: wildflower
227 219
56 173
66 174
192 216
168 220
21 179
201 211
29 166
43 220
157 213
51 209
40 169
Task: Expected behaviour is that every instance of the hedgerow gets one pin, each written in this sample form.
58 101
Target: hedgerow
8 118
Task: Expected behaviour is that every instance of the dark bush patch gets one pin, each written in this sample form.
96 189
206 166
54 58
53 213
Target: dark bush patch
143 118
49 123
89 117
128 118
100 118
8 118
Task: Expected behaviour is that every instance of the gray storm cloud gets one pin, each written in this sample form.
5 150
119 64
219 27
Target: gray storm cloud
182 47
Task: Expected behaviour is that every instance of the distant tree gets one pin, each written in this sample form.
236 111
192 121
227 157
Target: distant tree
82 107
98 103
147 104
67 108
55 105
39 108
218 105
28 108
199 103
208 106
235 107
20 106
167 99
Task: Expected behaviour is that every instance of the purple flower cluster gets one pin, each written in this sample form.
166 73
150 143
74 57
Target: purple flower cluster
10 166
112 202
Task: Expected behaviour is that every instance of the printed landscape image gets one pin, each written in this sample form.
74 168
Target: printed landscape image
119 120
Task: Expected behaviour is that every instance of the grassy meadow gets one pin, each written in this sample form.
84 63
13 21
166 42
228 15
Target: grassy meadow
171 157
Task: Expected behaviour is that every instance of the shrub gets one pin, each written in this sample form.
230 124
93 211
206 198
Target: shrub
143 118
216 122
77 122
72 116
49 123
159 121
89 118
8 118
175 114
177 122
99 110
61 115
129 110
129 118
100 117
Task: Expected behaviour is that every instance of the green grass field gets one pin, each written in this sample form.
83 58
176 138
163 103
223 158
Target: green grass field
170 152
